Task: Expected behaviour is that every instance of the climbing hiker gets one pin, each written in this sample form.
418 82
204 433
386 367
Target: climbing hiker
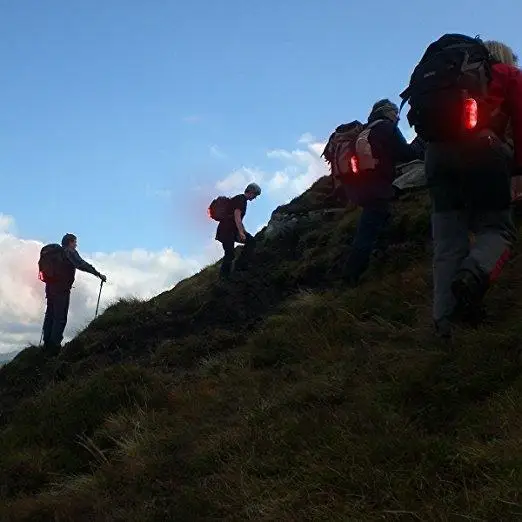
468 166
230 213
57 267
370 161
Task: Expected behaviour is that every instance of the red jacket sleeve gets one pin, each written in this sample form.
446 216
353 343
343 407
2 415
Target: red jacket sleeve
514 103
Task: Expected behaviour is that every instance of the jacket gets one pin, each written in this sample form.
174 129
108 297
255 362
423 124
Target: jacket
506 92
73 261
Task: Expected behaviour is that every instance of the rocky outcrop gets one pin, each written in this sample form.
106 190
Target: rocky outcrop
319 203
411 176
283 224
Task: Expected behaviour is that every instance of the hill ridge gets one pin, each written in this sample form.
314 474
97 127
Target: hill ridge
281 396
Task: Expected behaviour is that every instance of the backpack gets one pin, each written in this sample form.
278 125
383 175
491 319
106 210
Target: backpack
363 156
339 152
51 263
219 209
448 89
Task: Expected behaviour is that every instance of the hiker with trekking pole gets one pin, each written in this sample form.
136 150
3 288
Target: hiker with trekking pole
57 268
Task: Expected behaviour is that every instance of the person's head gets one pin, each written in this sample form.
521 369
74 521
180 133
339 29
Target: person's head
384 109
501 52
252 191
69 240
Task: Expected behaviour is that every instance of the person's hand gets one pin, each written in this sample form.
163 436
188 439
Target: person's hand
103 278
242 236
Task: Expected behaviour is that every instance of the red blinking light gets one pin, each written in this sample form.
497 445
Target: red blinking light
354 163
470 113
41 277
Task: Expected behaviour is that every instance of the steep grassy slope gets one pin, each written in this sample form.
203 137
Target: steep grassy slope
284 396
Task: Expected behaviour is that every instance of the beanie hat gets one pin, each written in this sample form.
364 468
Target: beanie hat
382 108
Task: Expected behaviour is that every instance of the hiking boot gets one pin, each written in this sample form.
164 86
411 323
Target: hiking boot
380 254
51 349
468 291
444 329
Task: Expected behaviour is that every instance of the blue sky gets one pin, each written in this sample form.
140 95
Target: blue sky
107 104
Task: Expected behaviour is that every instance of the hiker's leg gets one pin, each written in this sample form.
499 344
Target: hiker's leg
450 248
371 223
49 317
61 310
383 239
449 225
495 235
492 226
244 258
228 258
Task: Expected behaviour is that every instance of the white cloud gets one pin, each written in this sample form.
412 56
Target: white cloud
239 179
217 152
129 273
306 138
301 167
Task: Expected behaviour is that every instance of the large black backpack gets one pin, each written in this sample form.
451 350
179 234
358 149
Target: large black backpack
52 263
219 209
339 151
448 89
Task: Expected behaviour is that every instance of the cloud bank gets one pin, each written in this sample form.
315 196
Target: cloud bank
299 168
138 273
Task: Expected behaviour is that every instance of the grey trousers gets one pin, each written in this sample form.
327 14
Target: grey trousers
494 234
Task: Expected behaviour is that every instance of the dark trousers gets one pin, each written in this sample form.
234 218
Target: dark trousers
55 315
242 260
368 236
470 191
494 235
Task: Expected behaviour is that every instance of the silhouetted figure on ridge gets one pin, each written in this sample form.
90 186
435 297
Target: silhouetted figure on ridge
57 267
230 213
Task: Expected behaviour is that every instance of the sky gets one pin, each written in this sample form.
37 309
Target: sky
122 119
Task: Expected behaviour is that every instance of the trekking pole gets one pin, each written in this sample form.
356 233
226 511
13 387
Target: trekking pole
98 303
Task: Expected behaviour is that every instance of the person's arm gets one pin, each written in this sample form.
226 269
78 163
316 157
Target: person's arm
419 145
403 151
239 222
81 264
514 100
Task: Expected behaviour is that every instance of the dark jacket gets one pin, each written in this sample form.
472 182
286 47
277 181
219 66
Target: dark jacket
391 148
227 229
73 262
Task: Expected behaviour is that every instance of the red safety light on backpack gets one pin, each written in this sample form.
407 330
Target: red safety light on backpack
470 113
354 163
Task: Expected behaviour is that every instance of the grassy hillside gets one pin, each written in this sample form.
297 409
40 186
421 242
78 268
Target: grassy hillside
284 396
